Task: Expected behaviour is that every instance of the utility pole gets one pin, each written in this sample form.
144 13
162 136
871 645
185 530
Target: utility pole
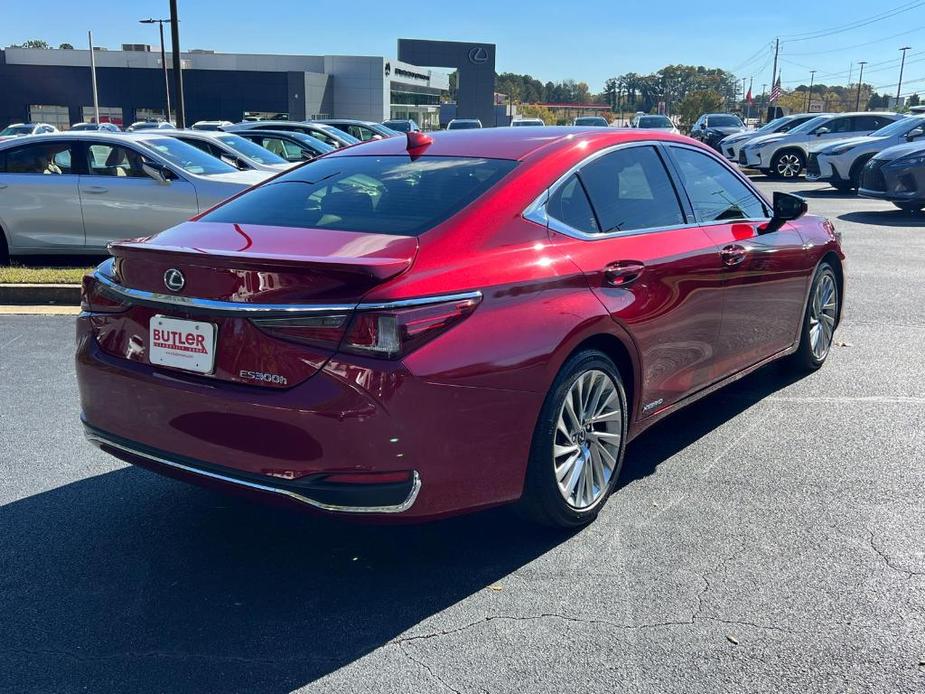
899 84
763 90
809 97
748 103
774 69
160 22
857 103
177 65
96 100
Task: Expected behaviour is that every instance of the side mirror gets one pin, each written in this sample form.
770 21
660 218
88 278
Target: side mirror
155 171
914 133
822 131
787 207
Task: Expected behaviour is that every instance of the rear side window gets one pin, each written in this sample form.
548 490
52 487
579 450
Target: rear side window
51 158
387 195
569 204
716 194
630 189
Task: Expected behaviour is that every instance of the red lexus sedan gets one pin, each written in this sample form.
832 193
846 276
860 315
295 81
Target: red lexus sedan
427 325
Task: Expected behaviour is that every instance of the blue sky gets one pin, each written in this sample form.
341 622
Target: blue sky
551 40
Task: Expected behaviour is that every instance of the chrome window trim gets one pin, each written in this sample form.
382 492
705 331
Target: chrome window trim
98 439
265 310
536 210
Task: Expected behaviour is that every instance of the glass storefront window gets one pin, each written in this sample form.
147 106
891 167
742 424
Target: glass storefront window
53 115
108 114
152 114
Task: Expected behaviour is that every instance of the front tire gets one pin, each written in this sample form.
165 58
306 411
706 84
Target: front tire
788 164
819 320
578 443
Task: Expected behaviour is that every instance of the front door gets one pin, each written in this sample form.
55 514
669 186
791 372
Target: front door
39 202
657 274
765 275
120 201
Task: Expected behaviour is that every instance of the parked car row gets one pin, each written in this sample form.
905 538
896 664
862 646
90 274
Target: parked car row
879 155
74 192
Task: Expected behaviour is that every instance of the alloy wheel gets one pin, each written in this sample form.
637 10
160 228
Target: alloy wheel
822 316
588 435
789 165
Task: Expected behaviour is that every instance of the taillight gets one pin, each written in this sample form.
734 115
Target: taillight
95 298
323 331
389 332
392 333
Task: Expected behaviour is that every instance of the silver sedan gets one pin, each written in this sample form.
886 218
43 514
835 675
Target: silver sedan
72 193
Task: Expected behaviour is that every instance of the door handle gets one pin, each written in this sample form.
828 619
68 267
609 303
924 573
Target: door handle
733 254
623 272
95 189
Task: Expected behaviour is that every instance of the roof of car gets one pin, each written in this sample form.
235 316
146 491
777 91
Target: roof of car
505 143
350 121
107 136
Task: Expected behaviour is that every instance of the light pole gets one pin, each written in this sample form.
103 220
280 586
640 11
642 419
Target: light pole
899 84
857 103
177 65
809 97
160 23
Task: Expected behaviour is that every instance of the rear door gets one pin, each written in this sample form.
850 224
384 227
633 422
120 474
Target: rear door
654 269
765 275
120 201
39 201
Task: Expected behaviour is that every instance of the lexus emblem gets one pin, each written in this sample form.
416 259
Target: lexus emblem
478 55
174 280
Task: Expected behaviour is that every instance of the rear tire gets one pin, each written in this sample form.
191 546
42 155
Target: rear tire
843 186
578 443
788 164
819 320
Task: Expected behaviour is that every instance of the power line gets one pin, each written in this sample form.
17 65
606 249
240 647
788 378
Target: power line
859 45
857 24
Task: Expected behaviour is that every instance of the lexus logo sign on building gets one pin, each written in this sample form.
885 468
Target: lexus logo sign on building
478 55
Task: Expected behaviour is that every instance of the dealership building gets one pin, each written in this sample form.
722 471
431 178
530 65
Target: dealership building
54 86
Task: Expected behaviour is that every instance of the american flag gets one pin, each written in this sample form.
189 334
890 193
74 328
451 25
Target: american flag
775 91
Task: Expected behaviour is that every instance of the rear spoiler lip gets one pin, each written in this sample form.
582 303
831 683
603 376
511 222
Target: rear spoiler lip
379 268
216 306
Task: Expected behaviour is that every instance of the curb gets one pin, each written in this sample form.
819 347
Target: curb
36 294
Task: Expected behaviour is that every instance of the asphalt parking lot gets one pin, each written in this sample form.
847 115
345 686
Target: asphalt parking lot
769 539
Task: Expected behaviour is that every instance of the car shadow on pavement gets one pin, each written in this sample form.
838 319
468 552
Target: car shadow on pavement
129 582
886 218
678 431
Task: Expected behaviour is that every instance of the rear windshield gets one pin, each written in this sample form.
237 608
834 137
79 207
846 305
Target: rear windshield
723 122
655 122
386 195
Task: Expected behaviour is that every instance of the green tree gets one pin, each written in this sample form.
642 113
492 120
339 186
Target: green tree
697 103
913 100
537 111
66 47
32 43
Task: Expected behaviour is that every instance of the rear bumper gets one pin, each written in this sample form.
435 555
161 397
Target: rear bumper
393 497
463 447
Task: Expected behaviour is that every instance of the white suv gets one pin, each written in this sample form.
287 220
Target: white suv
840 162
783 155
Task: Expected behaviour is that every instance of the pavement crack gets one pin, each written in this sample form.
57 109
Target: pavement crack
426 667
907 573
